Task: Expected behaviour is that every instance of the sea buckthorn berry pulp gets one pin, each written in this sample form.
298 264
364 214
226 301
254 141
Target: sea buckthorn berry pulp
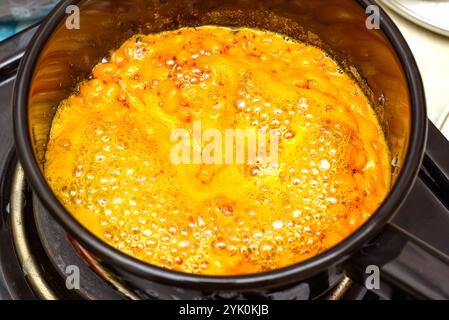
108 157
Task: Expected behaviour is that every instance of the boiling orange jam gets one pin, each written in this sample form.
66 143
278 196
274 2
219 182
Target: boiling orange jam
108 157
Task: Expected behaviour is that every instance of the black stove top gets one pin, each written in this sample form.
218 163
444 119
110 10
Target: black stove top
35 252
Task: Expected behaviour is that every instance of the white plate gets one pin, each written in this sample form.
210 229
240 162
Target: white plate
443 122
431 14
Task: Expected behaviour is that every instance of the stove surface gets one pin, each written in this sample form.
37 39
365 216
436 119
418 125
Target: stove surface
48 258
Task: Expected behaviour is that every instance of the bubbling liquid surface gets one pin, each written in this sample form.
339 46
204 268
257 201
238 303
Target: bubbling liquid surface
108 157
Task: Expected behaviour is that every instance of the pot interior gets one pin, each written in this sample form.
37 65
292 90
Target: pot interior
338 26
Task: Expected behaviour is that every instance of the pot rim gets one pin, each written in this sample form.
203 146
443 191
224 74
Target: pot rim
278 277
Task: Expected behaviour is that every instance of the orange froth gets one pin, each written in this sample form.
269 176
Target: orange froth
108 158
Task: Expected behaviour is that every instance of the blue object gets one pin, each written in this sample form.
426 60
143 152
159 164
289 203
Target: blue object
19 15
11 28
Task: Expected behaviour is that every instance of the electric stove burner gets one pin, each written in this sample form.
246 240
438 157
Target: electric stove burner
55 243
36 255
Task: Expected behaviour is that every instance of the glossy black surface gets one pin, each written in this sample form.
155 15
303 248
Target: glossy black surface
413 249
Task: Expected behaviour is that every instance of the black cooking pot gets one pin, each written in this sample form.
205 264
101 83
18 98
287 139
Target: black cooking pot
59 58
